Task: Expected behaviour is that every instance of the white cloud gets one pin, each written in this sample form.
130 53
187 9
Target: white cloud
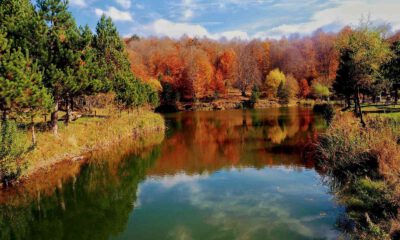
78 3
162 27
124 3
188 7
187 14
115 14
344 13
170 181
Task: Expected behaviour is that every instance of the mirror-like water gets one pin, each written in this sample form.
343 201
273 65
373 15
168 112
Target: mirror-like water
217 175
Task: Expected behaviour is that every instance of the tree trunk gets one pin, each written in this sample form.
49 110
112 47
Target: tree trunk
33 132
72 103
68 112
54 118
396 95
358 105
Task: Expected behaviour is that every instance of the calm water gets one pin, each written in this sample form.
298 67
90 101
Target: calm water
217 175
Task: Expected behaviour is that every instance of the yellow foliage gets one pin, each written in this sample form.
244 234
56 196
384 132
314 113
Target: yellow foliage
273 79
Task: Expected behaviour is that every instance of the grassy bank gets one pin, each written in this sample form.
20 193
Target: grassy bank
84 135
363 169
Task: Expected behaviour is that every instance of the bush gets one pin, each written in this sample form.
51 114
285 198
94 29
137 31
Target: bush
255 95
283 94
12 145
363 165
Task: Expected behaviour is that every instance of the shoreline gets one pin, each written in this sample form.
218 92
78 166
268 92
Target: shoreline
77 142
226 104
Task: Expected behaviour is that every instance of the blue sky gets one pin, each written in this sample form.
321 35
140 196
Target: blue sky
245 19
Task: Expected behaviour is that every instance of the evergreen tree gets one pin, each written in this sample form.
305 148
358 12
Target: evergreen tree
21 88
114 68
23 26
283 93
62 56
343 83
111 55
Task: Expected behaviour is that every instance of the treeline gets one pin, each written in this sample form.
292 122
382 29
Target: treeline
298 67
47 61
198 68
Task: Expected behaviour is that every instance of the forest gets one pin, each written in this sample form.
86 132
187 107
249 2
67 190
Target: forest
54 72
299 67
48 64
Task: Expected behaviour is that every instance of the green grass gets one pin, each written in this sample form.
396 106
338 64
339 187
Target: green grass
89 133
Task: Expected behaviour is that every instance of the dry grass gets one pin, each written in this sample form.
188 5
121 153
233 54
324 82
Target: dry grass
87 134
364 164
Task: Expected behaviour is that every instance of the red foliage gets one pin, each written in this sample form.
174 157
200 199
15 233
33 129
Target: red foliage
304 88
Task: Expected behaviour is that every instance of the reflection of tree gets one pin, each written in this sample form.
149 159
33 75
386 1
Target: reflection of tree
209 141
96 205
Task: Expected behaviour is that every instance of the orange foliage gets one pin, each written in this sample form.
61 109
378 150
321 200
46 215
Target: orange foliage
304 88
199 68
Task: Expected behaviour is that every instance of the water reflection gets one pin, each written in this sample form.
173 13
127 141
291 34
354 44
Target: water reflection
217 175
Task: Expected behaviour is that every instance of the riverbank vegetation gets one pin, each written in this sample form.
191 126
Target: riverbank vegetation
363 168
359 152
49 64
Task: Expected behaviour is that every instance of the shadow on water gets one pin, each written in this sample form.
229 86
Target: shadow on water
228 174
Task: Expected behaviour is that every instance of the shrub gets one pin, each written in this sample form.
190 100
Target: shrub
364 167
12 145
283 94
320 91
255 95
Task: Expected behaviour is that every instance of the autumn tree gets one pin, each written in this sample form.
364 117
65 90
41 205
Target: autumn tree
392 69
247 72
327 57
292 86
225 70
304 88
274 80
363 51
199 74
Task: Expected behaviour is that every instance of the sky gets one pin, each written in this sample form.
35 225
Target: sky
245 19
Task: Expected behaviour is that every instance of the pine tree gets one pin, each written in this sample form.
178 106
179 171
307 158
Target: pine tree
111 54
114 68
23 26
21 88
62 56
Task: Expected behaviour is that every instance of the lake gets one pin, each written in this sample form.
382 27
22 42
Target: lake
237 174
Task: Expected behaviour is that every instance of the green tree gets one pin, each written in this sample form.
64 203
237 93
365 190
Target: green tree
62 56
111 55
363 51
115 70
343 85
320 91
23 26
283 93
12 146
21 87
392 69
255 95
